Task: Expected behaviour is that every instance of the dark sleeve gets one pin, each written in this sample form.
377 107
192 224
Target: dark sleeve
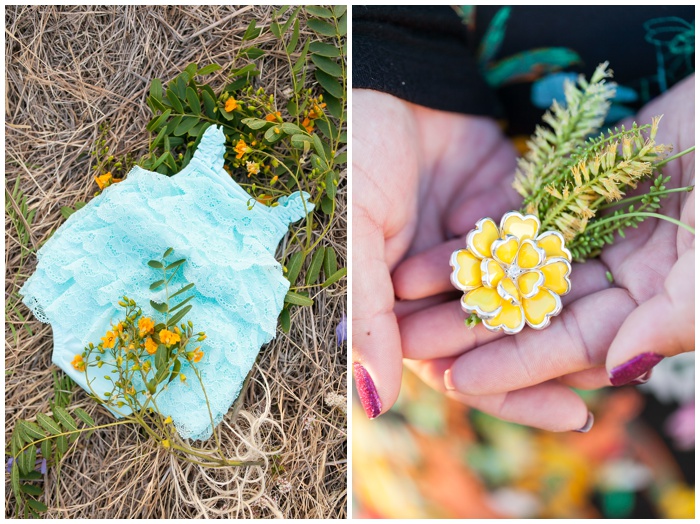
420 54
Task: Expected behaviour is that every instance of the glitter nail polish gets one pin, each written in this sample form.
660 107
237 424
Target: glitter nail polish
634 369
367 391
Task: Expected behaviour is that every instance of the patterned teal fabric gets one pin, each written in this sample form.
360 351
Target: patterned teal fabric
101 254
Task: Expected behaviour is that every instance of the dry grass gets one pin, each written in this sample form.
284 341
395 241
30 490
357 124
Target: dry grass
70 69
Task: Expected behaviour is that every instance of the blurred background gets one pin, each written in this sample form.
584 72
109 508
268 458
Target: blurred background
431 457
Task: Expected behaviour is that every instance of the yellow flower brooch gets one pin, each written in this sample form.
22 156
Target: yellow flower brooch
511 274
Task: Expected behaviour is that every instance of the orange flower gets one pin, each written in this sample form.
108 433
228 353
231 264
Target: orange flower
145 326
274 117
231 104
151 346
120 328
104 181
78 363
240 148
308 125
197 354
168 337
317 111
109 339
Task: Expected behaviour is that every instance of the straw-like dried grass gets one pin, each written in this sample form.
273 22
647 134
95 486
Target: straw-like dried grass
70 69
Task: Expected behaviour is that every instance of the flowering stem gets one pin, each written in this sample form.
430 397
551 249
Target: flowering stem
677 155
686 189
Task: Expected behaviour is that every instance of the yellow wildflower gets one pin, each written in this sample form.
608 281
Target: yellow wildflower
151 346
109 339
317 111
511 275
166 443
146 366
274 117
120 328
146 326
78 363
308 125
253 168
198 354
274 180
168 420
168 337
183 378
104 180
240 149
231 104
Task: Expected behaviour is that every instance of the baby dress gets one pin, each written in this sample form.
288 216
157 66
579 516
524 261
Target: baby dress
101 254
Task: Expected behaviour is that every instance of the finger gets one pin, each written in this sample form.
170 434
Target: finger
550 406
576 340
594 378
428 273
439 331
662 326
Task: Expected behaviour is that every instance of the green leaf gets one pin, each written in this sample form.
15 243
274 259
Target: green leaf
285 321
33 430
193 101
271 136
335 277
291 46
327 205
161 358
341 158
343 25
67 211
323 49
156 284
276 29
331 183
321 12
178 316
37 506
27 460
245 70
330 262
174 122
290 129
156 89
292 107
326 64
61 444
181 303
155 264
14 478
294 266
301 61
182 290
209 104
335 108
255 123
175 264
157 139
82 415
168 252
185 125
297 299
211 68
64 418
329 83
158 121
46 449
174 100
32 475
48 424
252 53
314 270
191 71
251 31
321 27
300 141
161 308
318 146
339 10
31 489
176 370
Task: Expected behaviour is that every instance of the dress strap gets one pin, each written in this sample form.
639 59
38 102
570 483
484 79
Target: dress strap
211 148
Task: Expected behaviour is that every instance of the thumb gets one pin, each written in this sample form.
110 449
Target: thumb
376 344
662 326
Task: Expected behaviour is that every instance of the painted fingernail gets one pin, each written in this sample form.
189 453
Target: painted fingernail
641 380
634 369
367 391
449 384
588 425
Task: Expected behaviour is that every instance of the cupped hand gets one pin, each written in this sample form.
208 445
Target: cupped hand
608 332
420 178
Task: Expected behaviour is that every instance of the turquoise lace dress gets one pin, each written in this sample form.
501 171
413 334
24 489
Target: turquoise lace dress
101 254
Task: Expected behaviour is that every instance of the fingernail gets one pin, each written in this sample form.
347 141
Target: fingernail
588 425
367 391
641 380
449 384
634 369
